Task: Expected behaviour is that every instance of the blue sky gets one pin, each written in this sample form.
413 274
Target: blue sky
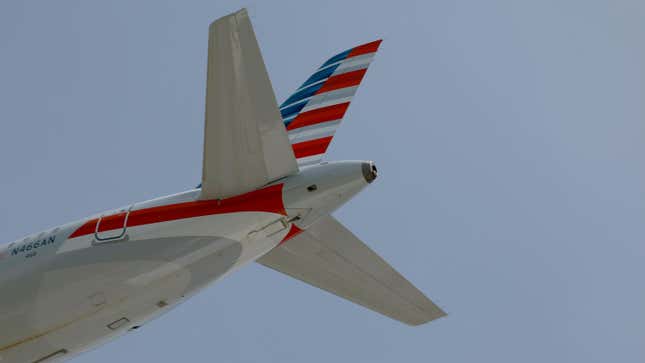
509 136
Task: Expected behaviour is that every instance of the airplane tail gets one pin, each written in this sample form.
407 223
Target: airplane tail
314 111
246 146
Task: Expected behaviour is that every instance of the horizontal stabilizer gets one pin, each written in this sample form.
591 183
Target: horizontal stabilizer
327 255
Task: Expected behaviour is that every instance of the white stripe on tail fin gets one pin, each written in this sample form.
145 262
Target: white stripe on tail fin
313 113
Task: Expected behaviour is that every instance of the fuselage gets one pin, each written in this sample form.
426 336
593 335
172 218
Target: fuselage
73 286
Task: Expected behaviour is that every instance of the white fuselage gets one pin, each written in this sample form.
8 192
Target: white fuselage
71 287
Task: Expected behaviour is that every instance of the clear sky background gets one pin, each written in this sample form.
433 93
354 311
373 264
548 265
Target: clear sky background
509 136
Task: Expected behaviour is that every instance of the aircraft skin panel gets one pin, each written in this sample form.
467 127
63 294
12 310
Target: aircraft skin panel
245 143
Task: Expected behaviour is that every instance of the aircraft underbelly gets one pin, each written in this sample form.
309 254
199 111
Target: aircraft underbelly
90 292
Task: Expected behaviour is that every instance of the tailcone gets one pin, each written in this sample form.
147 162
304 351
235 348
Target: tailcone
320 189
369 171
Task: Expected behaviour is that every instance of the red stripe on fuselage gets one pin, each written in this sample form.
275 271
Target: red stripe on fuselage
114 221
294 231
268 200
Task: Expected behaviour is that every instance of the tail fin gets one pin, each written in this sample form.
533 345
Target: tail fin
313 113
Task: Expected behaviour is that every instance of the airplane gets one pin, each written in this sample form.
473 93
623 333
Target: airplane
266 195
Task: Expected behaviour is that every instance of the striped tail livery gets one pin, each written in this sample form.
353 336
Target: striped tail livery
313 113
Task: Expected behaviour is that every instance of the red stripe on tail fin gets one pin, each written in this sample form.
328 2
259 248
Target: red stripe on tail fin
319 115
313 147
349 79
370 47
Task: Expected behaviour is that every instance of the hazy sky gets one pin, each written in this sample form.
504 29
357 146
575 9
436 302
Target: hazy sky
509 136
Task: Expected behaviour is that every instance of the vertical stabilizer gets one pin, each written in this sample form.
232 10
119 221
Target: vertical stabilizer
245 144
